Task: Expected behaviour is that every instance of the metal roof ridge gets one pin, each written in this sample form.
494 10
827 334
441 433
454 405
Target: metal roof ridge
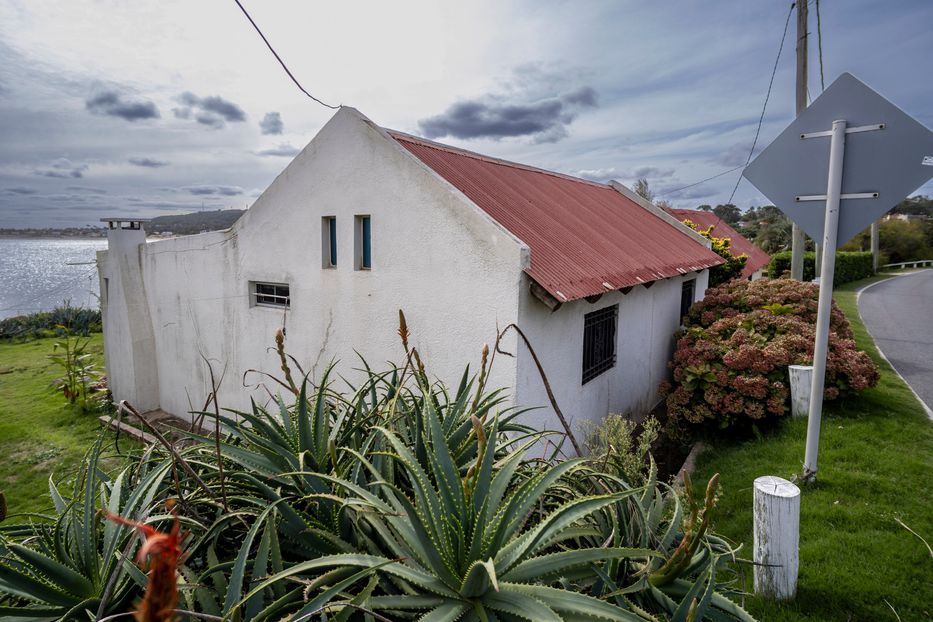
398 135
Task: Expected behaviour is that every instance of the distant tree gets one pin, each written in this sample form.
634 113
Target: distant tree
919 205
728 212
898 241
705 208
773 236
722 247
641 189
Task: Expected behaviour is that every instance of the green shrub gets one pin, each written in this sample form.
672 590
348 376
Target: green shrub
730 365
734 264
850 266
619 445
54 323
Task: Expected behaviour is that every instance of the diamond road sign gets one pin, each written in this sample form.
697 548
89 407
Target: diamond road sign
887 156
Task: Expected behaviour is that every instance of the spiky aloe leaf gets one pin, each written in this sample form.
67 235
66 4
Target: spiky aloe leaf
572 605
555 564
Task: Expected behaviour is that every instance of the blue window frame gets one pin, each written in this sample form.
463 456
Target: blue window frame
364 243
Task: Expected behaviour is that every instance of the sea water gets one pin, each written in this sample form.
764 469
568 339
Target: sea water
39 274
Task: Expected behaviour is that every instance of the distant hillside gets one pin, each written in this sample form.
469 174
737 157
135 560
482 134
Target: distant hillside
185 224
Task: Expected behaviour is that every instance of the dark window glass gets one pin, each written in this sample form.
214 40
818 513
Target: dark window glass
273 294
687 294
599 341
366 234
332 230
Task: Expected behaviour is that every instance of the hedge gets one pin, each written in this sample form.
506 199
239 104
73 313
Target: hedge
849 266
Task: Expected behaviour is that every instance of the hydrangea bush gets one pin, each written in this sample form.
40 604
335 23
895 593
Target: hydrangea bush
730 364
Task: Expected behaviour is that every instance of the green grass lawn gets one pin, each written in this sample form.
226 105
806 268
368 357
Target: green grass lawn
40 434
875 467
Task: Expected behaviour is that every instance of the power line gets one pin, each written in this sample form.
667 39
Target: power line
765 106
702 181
819 43
279 58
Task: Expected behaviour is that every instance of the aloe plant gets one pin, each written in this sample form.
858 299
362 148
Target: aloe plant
468 542
61 569
688 576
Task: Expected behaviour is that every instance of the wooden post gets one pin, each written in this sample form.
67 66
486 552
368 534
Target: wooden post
801 377
776 537
875 245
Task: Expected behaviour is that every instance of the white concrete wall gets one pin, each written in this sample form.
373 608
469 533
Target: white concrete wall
454 271
129 344
647 322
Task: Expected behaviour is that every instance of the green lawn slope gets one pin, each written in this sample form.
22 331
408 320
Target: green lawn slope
857 562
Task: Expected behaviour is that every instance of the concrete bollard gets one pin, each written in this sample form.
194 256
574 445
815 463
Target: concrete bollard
776 537
801 379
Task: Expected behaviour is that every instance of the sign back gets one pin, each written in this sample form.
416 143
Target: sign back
882 167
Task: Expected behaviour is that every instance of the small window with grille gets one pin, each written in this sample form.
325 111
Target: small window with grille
270 295
688 291
599 341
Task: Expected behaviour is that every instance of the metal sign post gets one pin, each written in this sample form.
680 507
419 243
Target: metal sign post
863 180
827 272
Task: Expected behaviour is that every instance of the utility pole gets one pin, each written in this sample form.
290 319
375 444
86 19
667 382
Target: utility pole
875 245
797 239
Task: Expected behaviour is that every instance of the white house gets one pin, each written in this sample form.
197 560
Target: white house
366 221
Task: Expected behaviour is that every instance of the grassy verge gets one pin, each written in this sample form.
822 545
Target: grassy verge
875 468
40 435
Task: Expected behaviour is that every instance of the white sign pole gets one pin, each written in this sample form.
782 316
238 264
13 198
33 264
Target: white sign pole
820 346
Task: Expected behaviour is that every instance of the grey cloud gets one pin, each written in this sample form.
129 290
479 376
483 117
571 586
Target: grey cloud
111 103
227 191
283 150
697 192
271 123
606 174
601 175
86 189
735 155
210 120
62 168
148 162
20 190
651 172
544 120
213 111
584 96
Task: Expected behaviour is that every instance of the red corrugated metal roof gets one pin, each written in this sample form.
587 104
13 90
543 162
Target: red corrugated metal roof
757 258
585 238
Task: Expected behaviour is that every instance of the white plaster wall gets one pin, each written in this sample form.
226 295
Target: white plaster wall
129 344
647 322
454 271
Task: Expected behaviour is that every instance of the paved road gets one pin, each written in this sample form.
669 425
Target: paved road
899 315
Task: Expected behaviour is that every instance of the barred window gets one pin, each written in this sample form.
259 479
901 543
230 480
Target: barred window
687 294
599 341
270 294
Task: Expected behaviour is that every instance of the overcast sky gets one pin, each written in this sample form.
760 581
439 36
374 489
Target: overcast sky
148 107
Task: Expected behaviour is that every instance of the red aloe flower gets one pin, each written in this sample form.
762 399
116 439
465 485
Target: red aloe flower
164 552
